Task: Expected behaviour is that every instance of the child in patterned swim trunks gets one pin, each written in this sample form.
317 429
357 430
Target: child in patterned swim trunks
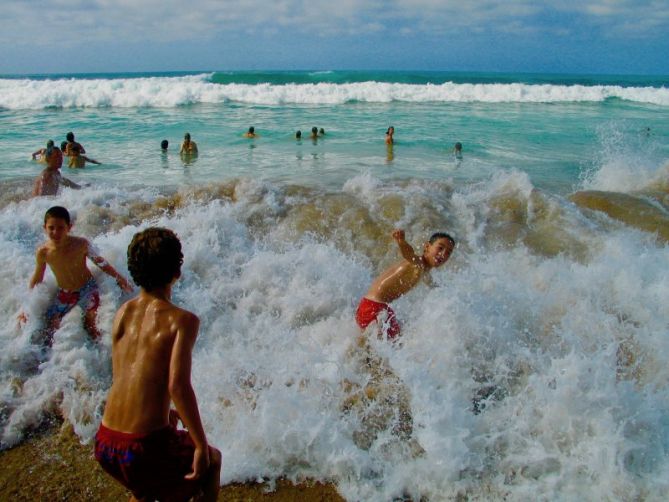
152 344
400 278
66 256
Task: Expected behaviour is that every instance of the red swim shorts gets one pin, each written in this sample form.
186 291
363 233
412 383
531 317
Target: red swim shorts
151 465
369 310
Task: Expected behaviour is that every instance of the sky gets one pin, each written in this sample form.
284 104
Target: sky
535 36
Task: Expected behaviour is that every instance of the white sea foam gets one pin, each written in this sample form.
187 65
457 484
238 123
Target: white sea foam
566 358
176 91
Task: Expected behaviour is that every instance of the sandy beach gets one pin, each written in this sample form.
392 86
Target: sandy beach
53 465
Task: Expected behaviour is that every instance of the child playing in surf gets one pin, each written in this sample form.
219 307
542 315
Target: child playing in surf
66 256
152 343
400 278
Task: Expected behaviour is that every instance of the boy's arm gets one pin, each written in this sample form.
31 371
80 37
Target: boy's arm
38 152
406 250
182 393
105 266
40 267
68 183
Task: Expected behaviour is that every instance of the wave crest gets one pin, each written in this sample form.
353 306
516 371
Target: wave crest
16 94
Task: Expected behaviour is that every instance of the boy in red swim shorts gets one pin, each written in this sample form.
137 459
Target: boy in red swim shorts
400 278
152 343
66 256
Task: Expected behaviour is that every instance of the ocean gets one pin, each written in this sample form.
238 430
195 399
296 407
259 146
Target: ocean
535 367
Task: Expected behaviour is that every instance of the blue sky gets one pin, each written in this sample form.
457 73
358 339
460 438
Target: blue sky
566 36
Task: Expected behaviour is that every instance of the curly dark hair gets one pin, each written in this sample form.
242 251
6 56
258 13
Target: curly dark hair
154 257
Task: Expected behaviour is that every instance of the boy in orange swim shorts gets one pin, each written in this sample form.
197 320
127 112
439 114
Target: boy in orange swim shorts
400 278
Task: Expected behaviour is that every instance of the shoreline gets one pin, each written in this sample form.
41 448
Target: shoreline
53 465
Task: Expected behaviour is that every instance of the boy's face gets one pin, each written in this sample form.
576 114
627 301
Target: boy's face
437 253
56 229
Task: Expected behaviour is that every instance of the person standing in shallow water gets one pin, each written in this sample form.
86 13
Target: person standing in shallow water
188 147
49 180
389 135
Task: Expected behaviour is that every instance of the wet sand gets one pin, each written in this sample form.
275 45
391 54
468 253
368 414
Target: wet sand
52 465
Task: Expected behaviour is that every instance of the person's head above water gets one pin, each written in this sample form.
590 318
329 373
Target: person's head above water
69 136
187 136
63 145
391 130
164 144
252 130
314 130
458 146
298 134
438 249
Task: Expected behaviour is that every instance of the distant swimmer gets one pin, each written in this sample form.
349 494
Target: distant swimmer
399 279
76 159
298 134
389 136
251 133
49 180
457 151
164 144
314 133
321 132
188 147
51 155
71 143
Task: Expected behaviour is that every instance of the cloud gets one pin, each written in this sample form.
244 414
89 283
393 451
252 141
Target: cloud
75 22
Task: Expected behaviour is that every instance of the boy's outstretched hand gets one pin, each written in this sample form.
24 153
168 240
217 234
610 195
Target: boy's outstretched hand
398 234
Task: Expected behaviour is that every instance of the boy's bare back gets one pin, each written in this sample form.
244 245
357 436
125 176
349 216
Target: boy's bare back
152 341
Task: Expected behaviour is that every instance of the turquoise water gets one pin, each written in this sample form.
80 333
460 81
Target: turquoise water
121 121
534 368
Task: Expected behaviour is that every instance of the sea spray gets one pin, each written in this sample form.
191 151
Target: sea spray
535 365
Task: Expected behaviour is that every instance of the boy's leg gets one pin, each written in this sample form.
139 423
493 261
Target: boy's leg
89 323
89 302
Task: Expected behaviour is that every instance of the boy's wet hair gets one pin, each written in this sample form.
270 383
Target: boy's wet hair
154 258
441 235
57 212
252 130
298 134
187 136
314 130
164 144
69 136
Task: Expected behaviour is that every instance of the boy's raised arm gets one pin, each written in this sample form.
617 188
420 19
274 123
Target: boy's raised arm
182 393
406 250
40 267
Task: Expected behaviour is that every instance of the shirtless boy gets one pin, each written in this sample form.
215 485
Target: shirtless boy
251 133
400 278
66 256
49 180
152 344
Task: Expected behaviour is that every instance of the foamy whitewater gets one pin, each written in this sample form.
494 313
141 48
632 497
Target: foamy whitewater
535 367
